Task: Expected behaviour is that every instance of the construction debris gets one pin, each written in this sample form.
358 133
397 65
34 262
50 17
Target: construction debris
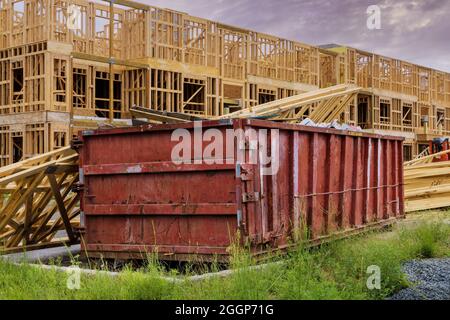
330 125
37 202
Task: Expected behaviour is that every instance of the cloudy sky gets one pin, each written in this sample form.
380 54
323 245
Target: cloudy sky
413 30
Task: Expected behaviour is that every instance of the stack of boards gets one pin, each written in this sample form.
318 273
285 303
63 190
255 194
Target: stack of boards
427 183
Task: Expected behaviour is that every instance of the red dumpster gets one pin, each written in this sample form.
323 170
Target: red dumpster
187 190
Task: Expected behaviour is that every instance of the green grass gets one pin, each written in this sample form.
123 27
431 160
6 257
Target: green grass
334 271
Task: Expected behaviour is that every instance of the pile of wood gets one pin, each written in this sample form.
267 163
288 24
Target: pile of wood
322 105
427 183
37 202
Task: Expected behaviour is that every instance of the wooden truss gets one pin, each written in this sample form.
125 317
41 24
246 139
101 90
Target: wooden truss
37 202
323 105
425 158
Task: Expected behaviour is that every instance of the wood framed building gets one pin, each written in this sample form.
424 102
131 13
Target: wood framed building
56 59
401 98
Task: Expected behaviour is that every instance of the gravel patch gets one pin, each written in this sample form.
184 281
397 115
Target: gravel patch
430 280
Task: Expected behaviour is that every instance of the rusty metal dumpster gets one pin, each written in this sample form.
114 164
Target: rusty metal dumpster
186 191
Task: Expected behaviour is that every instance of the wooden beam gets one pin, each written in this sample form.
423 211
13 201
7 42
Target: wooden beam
106 60
62 208
192 97
111 66
130 4
28 214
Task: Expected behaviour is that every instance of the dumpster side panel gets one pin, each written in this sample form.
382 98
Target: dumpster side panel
328 183
137 200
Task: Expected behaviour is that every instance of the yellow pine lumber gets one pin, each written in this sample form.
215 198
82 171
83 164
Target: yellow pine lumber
286 104
30 203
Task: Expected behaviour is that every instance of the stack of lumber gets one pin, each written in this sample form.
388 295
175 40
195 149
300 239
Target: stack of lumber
427 183
37 202
322 105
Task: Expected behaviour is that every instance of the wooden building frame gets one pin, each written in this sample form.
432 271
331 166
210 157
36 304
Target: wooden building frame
54 67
